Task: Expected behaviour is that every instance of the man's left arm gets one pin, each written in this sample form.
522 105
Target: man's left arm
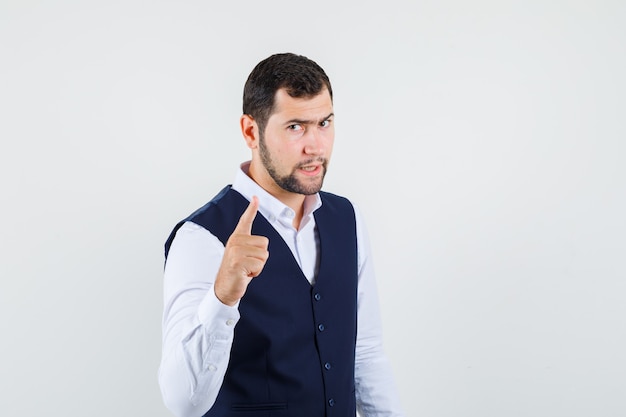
376 392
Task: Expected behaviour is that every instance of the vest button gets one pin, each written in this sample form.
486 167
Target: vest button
317 297
327 365
331 402
321 327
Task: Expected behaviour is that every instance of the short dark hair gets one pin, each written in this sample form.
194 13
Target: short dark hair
297 74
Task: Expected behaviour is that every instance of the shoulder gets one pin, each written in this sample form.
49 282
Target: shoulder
226 207
193 234
335 201
219 198
214 216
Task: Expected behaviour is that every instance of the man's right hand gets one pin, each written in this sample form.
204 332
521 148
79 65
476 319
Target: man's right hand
244 258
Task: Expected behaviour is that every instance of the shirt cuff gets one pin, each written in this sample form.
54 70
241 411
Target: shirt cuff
212 310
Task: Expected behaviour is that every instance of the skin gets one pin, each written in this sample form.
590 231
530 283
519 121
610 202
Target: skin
289 161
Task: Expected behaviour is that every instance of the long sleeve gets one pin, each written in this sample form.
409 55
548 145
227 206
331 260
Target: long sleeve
376 392
197 327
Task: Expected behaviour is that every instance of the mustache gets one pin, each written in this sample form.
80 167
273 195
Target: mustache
321 160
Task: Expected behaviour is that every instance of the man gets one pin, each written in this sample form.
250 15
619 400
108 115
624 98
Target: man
270 299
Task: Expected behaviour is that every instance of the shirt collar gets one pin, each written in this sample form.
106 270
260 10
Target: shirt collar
270 207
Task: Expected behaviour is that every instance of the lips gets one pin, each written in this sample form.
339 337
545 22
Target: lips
311 169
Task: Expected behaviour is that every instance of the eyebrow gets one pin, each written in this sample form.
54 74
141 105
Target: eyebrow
307 122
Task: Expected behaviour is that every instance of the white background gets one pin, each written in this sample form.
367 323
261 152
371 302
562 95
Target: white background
484 142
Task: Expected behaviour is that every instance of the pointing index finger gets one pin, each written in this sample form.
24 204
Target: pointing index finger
245 221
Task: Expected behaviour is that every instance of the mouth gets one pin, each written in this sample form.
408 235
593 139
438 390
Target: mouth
311 170
312 167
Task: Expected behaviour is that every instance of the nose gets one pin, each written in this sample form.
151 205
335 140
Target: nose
313 144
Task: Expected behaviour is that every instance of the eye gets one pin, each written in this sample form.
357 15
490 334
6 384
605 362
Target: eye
325 123
294 127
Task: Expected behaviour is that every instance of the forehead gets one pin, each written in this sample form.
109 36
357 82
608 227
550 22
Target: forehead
310 108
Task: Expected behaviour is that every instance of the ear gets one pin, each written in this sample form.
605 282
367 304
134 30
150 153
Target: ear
250 131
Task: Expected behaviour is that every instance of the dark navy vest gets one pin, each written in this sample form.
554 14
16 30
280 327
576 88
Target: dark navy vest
293 348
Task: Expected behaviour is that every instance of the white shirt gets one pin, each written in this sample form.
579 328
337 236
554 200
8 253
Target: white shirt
198 329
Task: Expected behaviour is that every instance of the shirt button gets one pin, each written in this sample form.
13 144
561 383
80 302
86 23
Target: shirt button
212 368
331 402
327 365
321 327
317 297
230 322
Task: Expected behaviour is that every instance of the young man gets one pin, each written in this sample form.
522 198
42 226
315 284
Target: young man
270 298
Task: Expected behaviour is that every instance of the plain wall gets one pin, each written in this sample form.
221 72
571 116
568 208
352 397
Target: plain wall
483 141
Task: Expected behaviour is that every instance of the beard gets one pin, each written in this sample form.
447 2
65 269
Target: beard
290 182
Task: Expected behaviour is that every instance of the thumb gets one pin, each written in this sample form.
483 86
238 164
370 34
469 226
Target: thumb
245 221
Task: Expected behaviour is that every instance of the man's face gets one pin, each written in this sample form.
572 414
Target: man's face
298 140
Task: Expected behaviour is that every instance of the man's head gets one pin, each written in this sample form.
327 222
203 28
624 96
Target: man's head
299 76
287 122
